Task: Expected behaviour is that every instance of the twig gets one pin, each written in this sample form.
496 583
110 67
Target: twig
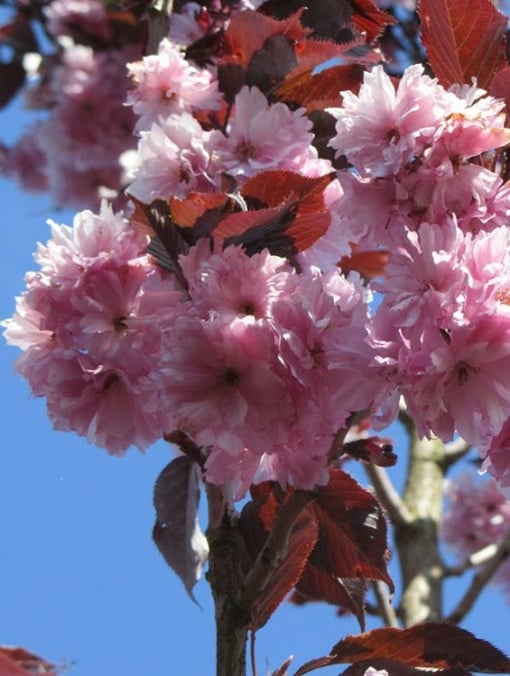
455 451
388 496
479 581
159 13
276 544
475 559
387 611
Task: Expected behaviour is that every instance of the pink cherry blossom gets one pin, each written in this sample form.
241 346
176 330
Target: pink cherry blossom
223 385
383 127
230 283
25 161
87 15
262 136
109 408
91 324
165 83
477 515
173 160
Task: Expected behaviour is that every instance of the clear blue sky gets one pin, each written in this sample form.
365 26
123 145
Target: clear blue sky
80 580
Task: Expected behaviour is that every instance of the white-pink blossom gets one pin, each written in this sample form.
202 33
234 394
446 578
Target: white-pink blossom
385 126
91 324
166 83
263 136
174 160
223 385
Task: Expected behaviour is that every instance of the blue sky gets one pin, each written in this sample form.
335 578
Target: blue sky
80 581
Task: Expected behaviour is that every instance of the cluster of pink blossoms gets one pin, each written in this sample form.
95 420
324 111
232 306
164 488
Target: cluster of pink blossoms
261 364
75 150
177 155
256 362
477 515
91 322
443 326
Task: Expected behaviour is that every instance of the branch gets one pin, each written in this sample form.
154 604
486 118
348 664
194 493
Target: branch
386 610
158 14
388 496
474 560
455 451
276 545
480 580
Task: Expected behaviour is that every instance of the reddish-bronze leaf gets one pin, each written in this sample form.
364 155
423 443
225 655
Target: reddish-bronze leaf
318 584
16 661
301 542
283 669
260 229
322 89
463 39
270 64
255 523
370 264
167 242
302 195
334 19
248 31
500 86
369 19
188 211
351 548
441 646
258 50
372 450
353 530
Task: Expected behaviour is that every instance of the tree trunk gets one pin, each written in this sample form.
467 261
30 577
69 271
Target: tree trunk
418 539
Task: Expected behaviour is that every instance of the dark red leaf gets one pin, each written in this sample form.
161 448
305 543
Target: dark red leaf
373 450
369 19
249 30
283 669
301 196
255 522
334 19
441 646
16 661
500 86
177 532
188 212
167 242
12 77
322 89
257 50
370 264
318 584
301 542
260 229
351 548
463 39
353 530
269 65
